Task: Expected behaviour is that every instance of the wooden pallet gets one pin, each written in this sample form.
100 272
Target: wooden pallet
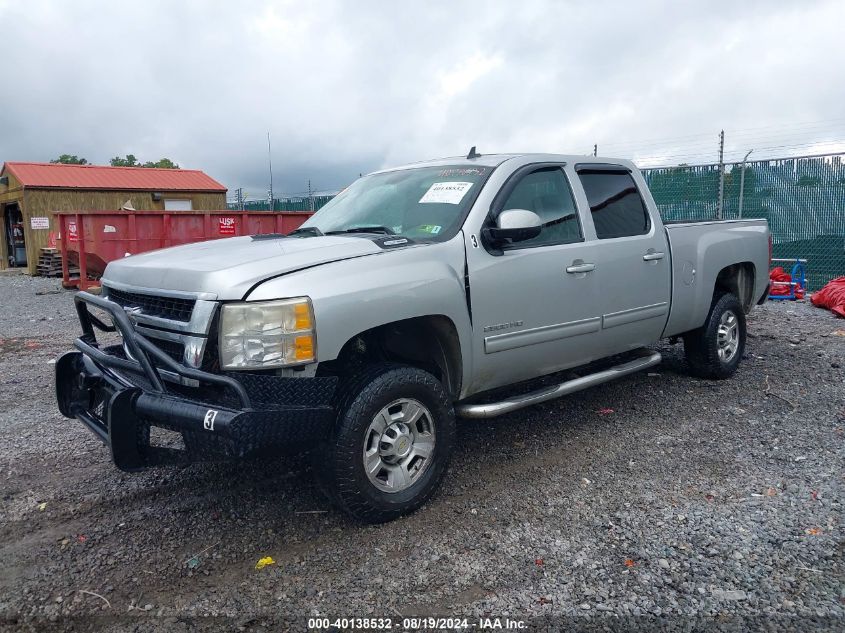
50 264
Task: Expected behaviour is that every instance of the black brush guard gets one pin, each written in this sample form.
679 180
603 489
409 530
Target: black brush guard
119 392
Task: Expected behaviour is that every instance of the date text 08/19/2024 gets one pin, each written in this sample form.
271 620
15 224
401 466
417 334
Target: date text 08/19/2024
414 624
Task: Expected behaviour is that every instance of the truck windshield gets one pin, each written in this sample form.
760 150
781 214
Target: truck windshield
423 203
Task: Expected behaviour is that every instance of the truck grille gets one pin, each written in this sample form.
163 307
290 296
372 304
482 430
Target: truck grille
150 305
175 350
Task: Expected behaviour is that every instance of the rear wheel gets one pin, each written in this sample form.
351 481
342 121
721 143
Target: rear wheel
391 444
715 349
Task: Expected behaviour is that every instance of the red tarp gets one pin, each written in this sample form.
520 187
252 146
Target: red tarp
832 296
779 274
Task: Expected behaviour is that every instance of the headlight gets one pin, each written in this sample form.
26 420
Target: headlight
267 334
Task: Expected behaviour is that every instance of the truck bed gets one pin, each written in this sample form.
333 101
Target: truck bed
698 250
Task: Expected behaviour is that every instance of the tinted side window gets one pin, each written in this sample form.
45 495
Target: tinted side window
616 205
546 192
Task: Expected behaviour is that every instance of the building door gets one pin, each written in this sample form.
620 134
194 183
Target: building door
15 238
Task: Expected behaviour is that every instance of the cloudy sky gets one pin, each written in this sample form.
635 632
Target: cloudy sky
348 87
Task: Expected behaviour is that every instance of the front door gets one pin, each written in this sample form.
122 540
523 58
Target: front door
634 279
535 305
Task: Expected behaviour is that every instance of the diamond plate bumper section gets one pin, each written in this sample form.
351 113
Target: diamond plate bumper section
118 396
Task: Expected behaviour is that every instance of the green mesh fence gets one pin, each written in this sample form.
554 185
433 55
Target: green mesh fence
285 204
802 198
685 192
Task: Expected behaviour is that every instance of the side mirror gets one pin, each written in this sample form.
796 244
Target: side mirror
512 225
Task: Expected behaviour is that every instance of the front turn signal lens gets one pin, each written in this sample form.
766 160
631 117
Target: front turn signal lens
304 348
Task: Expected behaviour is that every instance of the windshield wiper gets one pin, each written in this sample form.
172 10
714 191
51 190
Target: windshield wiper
365 229
307 230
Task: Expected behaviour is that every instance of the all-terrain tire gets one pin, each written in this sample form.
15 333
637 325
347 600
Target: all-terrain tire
715 349
339 461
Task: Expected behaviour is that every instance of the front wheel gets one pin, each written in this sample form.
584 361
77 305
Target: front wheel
715 349
391 444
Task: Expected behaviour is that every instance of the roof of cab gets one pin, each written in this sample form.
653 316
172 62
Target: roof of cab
494 160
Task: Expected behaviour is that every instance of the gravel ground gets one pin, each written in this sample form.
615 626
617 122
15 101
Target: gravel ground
658 501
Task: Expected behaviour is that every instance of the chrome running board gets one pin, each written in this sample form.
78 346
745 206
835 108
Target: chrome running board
492 409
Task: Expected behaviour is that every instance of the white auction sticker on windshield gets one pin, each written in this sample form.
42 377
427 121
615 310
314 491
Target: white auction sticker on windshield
446 192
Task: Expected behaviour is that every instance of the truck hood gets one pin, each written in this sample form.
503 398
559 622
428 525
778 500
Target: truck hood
228 268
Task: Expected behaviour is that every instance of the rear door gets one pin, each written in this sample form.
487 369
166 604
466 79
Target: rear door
633 272
534 303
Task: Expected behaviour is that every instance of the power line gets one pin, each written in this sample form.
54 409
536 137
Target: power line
743 133
787 138
736 131
685 156
756 160
731 140
798 124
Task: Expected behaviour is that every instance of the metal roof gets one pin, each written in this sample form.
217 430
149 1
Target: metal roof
60 176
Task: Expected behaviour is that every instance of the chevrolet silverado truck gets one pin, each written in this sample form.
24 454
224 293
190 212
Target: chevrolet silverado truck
460 287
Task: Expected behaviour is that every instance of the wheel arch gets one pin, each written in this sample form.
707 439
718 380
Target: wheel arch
429 342
737 279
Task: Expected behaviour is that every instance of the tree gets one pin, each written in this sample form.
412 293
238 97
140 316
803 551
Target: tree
131 161
164 163
68 159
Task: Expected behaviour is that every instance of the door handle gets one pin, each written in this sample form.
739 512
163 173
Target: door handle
580 268
650 257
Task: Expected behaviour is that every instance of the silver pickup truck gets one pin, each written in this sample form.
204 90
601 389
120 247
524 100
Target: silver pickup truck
463 287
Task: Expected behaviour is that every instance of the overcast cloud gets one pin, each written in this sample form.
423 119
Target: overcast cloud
348 87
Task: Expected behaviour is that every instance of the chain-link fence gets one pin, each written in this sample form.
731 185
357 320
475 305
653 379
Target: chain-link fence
803 198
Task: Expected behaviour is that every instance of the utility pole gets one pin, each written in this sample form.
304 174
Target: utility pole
270 162
310 197
742 182
596 149
239 198
720 203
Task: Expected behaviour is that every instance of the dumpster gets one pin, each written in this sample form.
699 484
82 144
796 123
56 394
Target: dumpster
91 239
